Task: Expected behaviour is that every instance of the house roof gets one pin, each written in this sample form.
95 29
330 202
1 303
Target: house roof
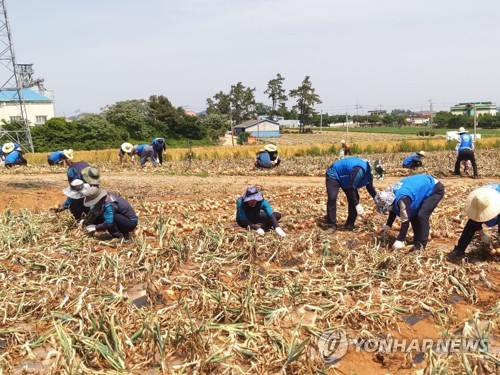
250 123
10 95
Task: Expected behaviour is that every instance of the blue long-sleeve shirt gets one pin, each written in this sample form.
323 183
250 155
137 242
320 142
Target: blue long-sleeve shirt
248 215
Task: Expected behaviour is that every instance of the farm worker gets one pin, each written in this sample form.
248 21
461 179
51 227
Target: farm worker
13 155
414 161
145 151
60 157
345 148
89 175
465 151
263 159
160 148
349 174
482 206
272 150
254 212
126 149
413 199
109 212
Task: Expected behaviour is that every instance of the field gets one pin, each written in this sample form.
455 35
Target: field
193 293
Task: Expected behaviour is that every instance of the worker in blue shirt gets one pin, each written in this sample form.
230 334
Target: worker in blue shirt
413 199
160 148
349 174
414 161
145 152
13 155
60 157
110 212
482 206
465 151
263 159
254 212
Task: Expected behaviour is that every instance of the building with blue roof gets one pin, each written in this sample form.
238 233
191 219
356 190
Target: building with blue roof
39 106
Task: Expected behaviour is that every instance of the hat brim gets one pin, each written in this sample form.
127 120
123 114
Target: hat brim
127 148
8 149
489 212
94 201
88 179
73 194
271 148
253 197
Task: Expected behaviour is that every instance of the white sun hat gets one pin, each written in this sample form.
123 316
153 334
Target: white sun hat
8 148
68 153
482 204
421 153
461 130
127 147
271 148
76 189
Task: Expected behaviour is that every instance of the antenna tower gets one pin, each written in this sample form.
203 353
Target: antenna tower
12 86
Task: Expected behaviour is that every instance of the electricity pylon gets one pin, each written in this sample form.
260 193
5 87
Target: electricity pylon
12 87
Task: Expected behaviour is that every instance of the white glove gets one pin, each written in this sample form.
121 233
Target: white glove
280 232
485 239
360 210
384 229
398 245
260 232
90 229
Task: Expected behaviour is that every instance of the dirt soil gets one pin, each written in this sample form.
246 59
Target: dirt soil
40 192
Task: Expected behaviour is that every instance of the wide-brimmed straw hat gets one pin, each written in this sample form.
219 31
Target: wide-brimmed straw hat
421 153
68 153
91 175
461 130
8 147
271 148
383 200
76 189
342 141
127 147
482 204
93 195
252 194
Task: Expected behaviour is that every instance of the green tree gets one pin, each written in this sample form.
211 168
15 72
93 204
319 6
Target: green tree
219 104
166 117
243 104
95 132
441 119
134 116
306 99
215 125
276 93
262 110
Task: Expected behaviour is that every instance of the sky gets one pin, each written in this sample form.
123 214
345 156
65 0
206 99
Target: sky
361 55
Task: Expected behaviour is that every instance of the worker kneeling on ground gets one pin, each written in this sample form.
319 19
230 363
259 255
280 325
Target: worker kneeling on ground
482 206
414 161
254 212
349 174
272 150
110 212
413 199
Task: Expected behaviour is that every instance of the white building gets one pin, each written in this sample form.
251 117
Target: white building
39 108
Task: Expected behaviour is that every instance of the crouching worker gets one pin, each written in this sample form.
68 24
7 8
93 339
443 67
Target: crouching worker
13 155
254 212
263 160
272 150
413 199
414 161
482 206
79 173
108 212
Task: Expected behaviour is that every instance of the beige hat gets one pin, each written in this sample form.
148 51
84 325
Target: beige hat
421 153
342 141
91 175
461 130
8 148
271 148
127 147
93 195
68 153
482 204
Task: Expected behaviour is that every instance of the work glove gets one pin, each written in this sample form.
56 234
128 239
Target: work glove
260 232
89 229
398 245
280 232
383 230
360 210
485 239
60 209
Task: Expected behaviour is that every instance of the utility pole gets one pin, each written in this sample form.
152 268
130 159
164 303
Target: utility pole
432 113
321 122
347 127
12 86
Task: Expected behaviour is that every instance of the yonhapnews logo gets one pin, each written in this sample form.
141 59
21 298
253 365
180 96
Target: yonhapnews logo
334 343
